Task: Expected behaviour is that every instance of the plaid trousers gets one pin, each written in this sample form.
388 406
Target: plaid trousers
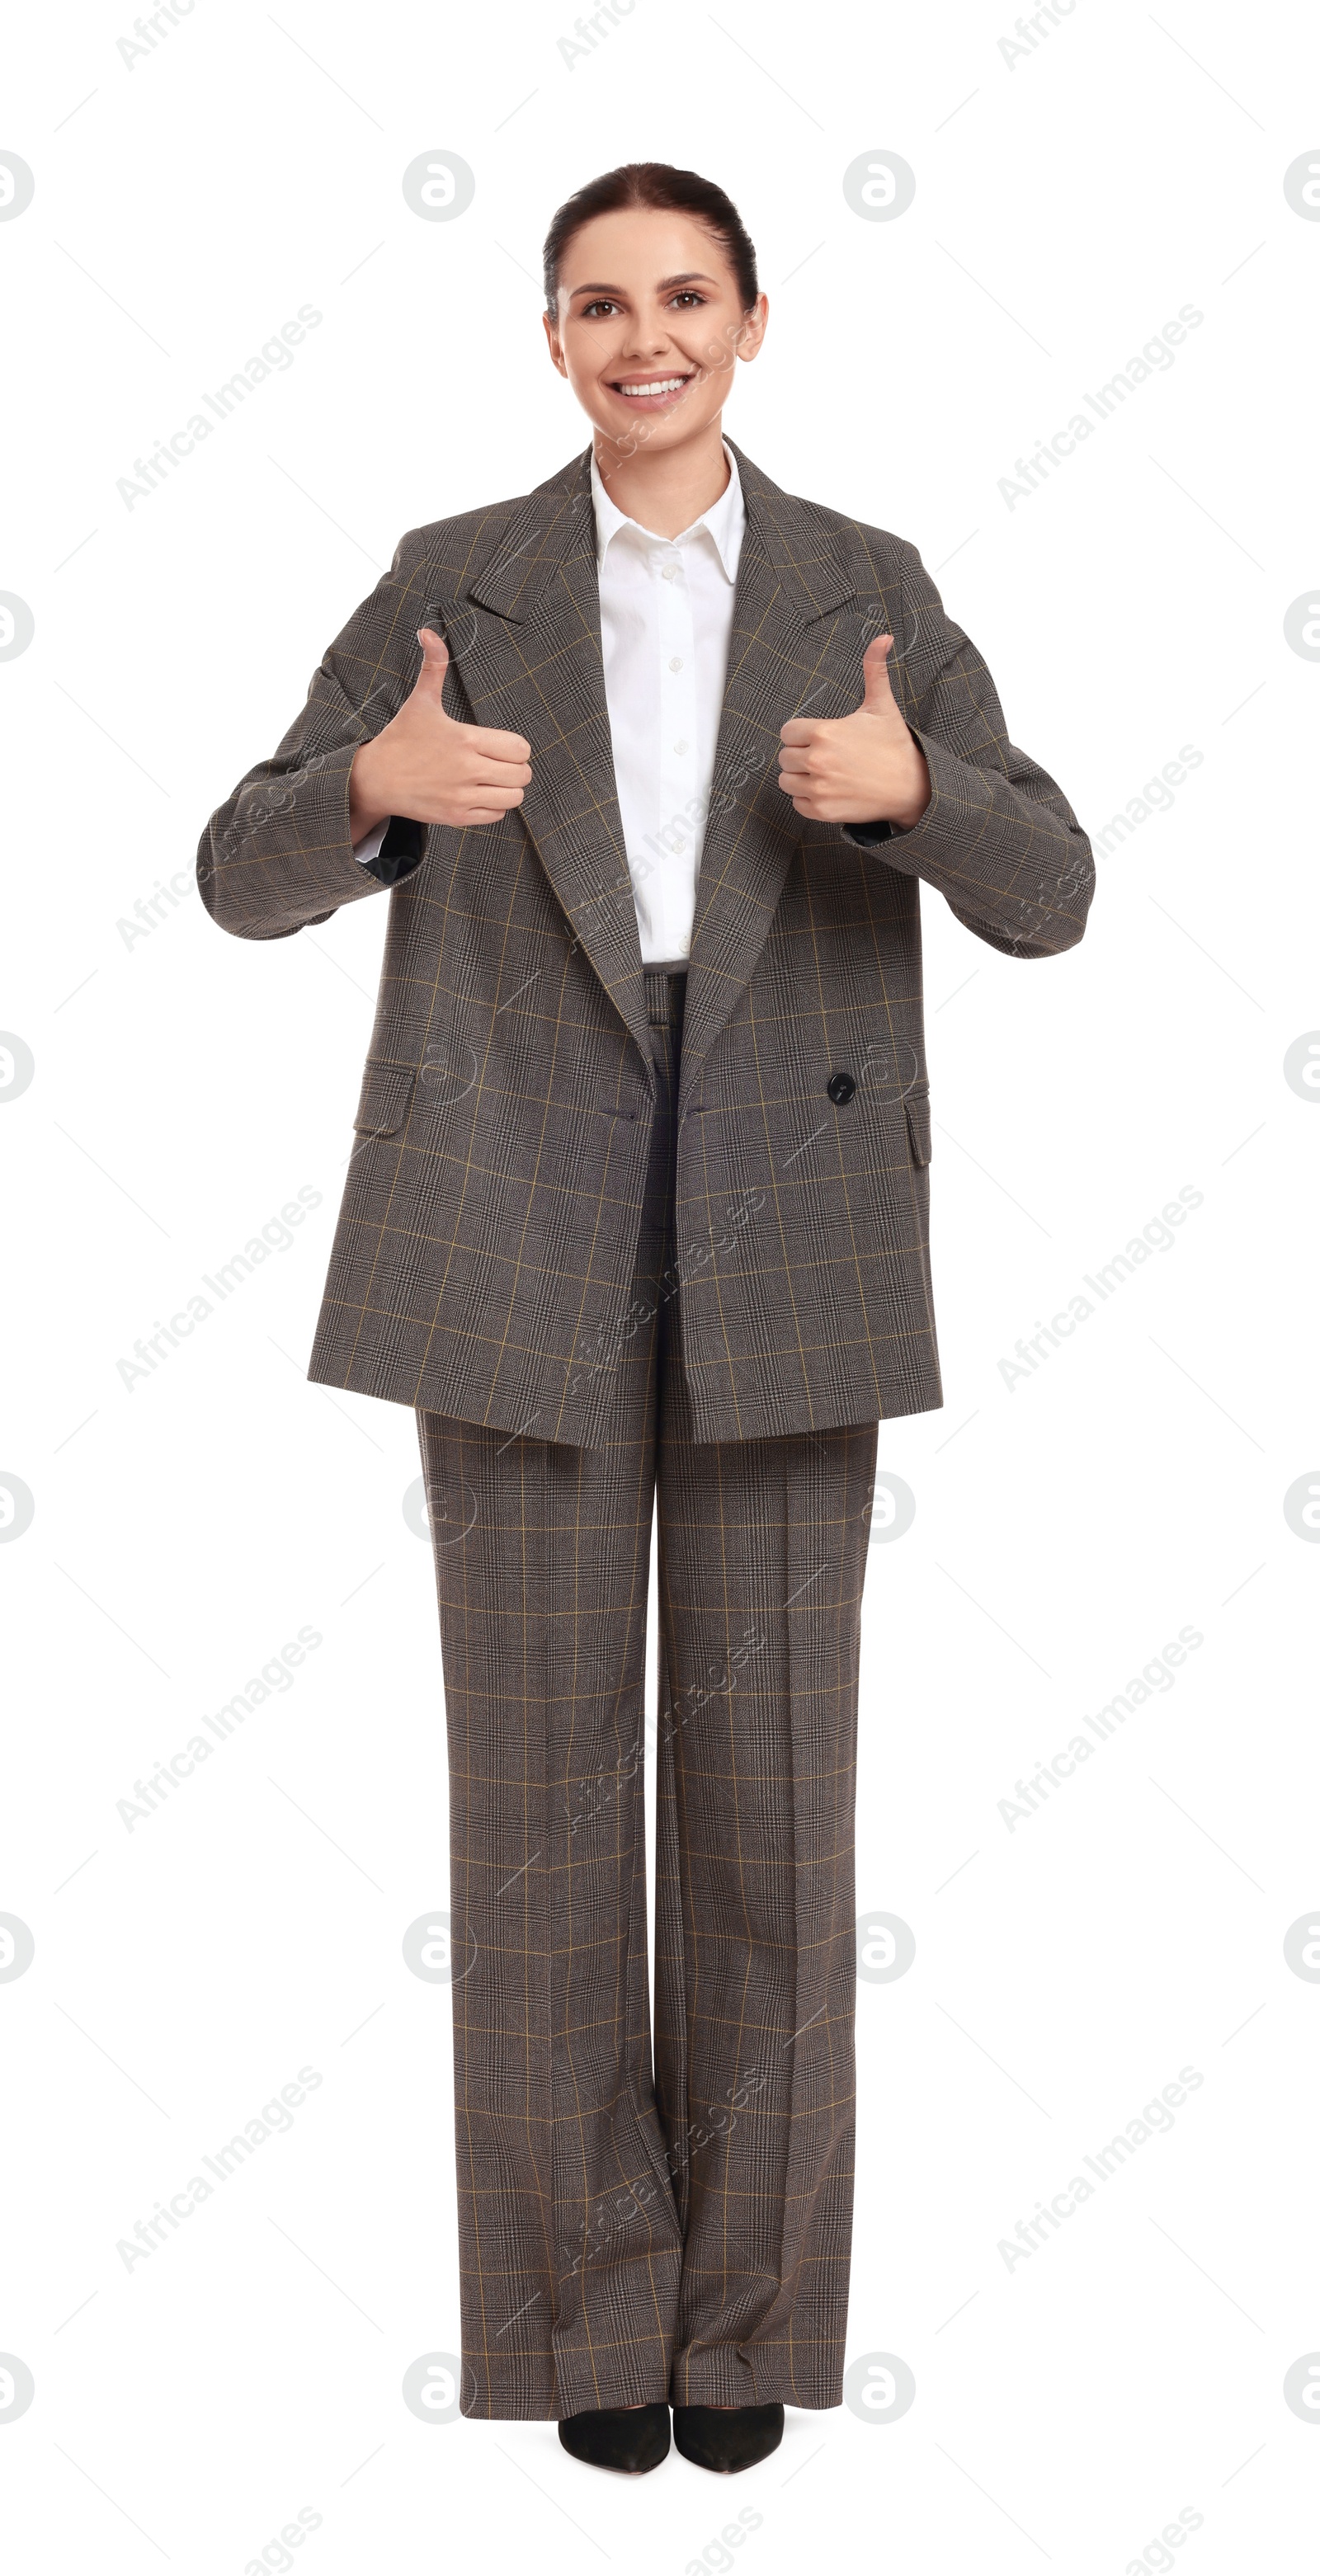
639 2223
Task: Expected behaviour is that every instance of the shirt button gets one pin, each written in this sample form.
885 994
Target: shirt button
676 663
680 748
669 572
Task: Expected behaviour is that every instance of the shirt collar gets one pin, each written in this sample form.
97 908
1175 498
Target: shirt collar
723 522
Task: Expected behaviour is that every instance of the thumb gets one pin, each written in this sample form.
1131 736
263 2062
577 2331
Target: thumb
878 696
435 662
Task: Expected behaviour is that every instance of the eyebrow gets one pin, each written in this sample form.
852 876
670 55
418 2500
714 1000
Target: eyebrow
688 277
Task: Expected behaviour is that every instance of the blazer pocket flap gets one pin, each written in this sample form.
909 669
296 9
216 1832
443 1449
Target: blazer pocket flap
917 1105
387 1090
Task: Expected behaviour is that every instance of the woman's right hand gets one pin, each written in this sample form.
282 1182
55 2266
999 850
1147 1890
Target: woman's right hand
426 766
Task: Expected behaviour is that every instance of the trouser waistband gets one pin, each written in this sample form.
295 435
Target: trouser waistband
665 988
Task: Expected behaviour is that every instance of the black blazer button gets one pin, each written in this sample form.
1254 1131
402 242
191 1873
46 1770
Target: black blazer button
840 1088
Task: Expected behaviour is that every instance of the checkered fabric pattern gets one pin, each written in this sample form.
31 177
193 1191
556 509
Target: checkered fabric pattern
629 2236
487 1237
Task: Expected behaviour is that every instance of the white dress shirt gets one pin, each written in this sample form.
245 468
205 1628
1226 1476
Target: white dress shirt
666 611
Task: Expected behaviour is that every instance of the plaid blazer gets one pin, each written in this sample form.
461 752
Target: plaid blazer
482 1265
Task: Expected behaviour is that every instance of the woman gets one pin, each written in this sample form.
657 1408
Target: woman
638 1214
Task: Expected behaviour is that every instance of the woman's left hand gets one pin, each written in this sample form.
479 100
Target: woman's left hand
862 768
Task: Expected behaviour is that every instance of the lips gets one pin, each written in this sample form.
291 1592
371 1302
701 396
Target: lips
651 388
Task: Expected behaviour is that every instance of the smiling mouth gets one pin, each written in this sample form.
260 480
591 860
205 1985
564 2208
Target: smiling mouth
651 388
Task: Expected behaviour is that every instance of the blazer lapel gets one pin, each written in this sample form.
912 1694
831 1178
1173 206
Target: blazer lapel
528 652
789 654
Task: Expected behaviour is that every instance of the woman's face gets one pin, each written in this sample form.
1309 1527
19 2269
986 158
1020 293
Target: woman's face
649 325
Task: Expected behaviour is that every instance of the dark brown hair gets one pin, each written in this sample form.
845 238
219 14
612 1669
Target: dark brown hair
671 192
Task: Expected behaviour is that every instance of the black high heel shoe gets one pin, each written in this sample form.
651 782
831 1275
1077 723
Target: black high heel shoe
629 2439
725 2438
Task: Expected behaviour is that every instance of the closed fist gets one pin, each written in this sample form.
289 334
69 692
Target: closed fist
862 768
426 765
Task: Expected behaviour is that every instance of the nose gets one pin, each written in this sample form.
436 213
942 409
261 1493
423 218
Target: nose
648 347
649 333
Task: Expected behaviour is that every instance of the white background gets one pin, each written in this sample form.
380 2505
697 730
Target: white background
1067 205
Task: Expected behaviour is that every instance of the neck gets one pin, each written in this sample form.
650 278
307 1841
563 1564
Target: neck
664 489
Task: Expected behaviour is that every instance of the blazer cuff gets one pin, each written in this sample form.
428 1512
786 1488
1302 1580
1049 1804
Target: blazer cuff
397 852
978 851
866 835
956 793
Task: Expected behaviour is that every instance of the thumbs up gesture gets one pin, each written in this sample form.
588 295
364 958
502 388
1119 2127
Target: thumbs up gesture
426 765
862 768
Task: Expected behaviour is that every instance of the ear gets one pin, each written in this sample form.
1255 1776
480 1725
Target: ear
556 346
753 327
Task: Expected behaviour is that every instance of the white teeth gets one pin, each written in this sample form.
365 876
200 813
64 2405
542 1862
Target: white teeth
663 385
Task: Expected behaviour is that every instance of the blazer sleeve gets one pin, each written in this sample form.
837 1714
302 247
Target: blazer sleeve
277 856
998 838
